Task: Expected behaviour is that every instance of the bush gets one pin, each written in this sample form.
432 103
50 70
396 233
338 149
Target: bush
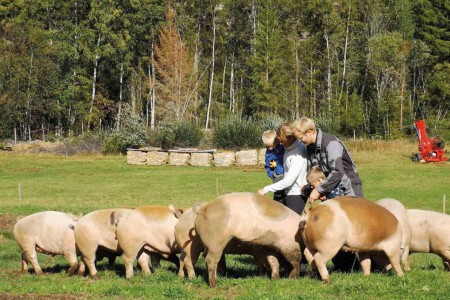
270 122
183 134
131 134
235 133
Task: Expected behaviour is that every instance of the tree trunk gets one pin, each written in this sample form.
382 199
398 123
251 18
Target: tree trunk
329 87
94 81
212 69
30 82
223 79
232 100
119 111
297 84
344 68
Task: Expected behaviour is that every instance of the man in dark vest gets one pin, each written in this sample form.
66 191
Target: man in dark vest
330 154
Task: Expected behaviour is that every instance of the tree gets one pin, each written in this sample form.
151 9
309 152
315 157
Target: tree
174 67
270 83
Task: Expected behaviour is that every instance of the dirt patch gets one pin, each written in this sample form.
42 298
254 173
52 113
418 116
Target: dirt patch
7 221
37 147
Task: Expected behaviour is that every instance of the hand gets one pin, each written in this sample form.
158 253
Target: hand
314 195
273 164
261 192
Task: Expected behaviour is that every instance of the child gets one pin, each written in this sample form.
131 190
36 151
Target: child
274 160
315 177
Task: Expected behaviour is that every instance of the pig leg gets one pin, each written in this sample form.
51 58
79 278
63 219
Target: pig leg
321 260
394 260
212 258
24 268
405 259
155 259
222 265
81 268
293 256
445 255
89 261
309 255
128 262
274 267
129 255
182 269
143 259
214 251
73 262
31 256
111 261
174 259
190 259
365 262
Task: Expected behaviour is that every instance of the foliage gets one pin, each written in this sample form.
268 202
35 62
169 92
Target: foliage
131 134
182 134
175 69
235 133
66 66
90 142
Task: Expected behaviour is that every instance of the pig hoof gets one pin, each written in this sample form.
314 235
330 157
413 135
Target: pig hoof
95 277
326 281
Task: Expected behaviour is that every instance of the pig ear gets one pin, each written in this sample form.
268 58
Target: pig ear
197 207
177 212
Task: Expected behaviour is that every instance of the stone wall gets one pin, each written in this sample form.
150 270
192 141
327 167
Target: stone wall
196 157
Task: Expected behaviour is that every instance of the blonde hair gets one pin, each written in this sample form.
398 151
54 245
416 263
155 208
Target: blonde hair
268 138
303 125
314 175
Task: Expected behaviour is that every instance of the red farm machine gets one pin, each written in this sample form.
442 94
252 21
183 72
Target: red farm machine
430 149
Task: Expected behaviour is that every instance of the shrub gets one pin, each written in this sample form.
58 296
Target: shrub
270 122
131 134
183 134
235 133
187 135
91 142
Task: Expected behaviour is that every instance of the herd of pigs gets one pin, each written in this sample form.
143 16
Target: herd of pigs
382 233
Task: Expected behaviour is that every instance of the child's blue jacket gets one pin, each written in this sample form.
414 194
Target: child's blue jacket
275 154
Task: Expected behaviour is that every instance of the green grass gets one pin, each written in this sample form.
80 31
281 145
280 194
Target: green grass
82 184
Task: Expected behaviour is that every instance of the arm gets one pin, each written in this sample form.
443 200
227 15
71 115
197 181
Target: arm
334 153
297 164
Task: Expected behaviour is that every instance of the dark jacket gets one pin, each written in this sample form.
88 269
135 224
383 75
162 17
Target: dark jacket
330 154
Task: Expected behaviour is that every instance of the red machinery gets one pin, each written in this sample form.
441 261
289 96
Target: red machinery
430 149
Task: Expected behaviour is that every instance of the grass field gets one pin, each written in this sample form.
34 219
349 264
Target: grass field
35 182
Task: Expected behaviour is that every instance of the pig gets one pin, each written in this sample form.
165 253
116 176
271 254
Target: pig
95 236
430 234
248 218
350 224
147 230
191 246
49 232
399 211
